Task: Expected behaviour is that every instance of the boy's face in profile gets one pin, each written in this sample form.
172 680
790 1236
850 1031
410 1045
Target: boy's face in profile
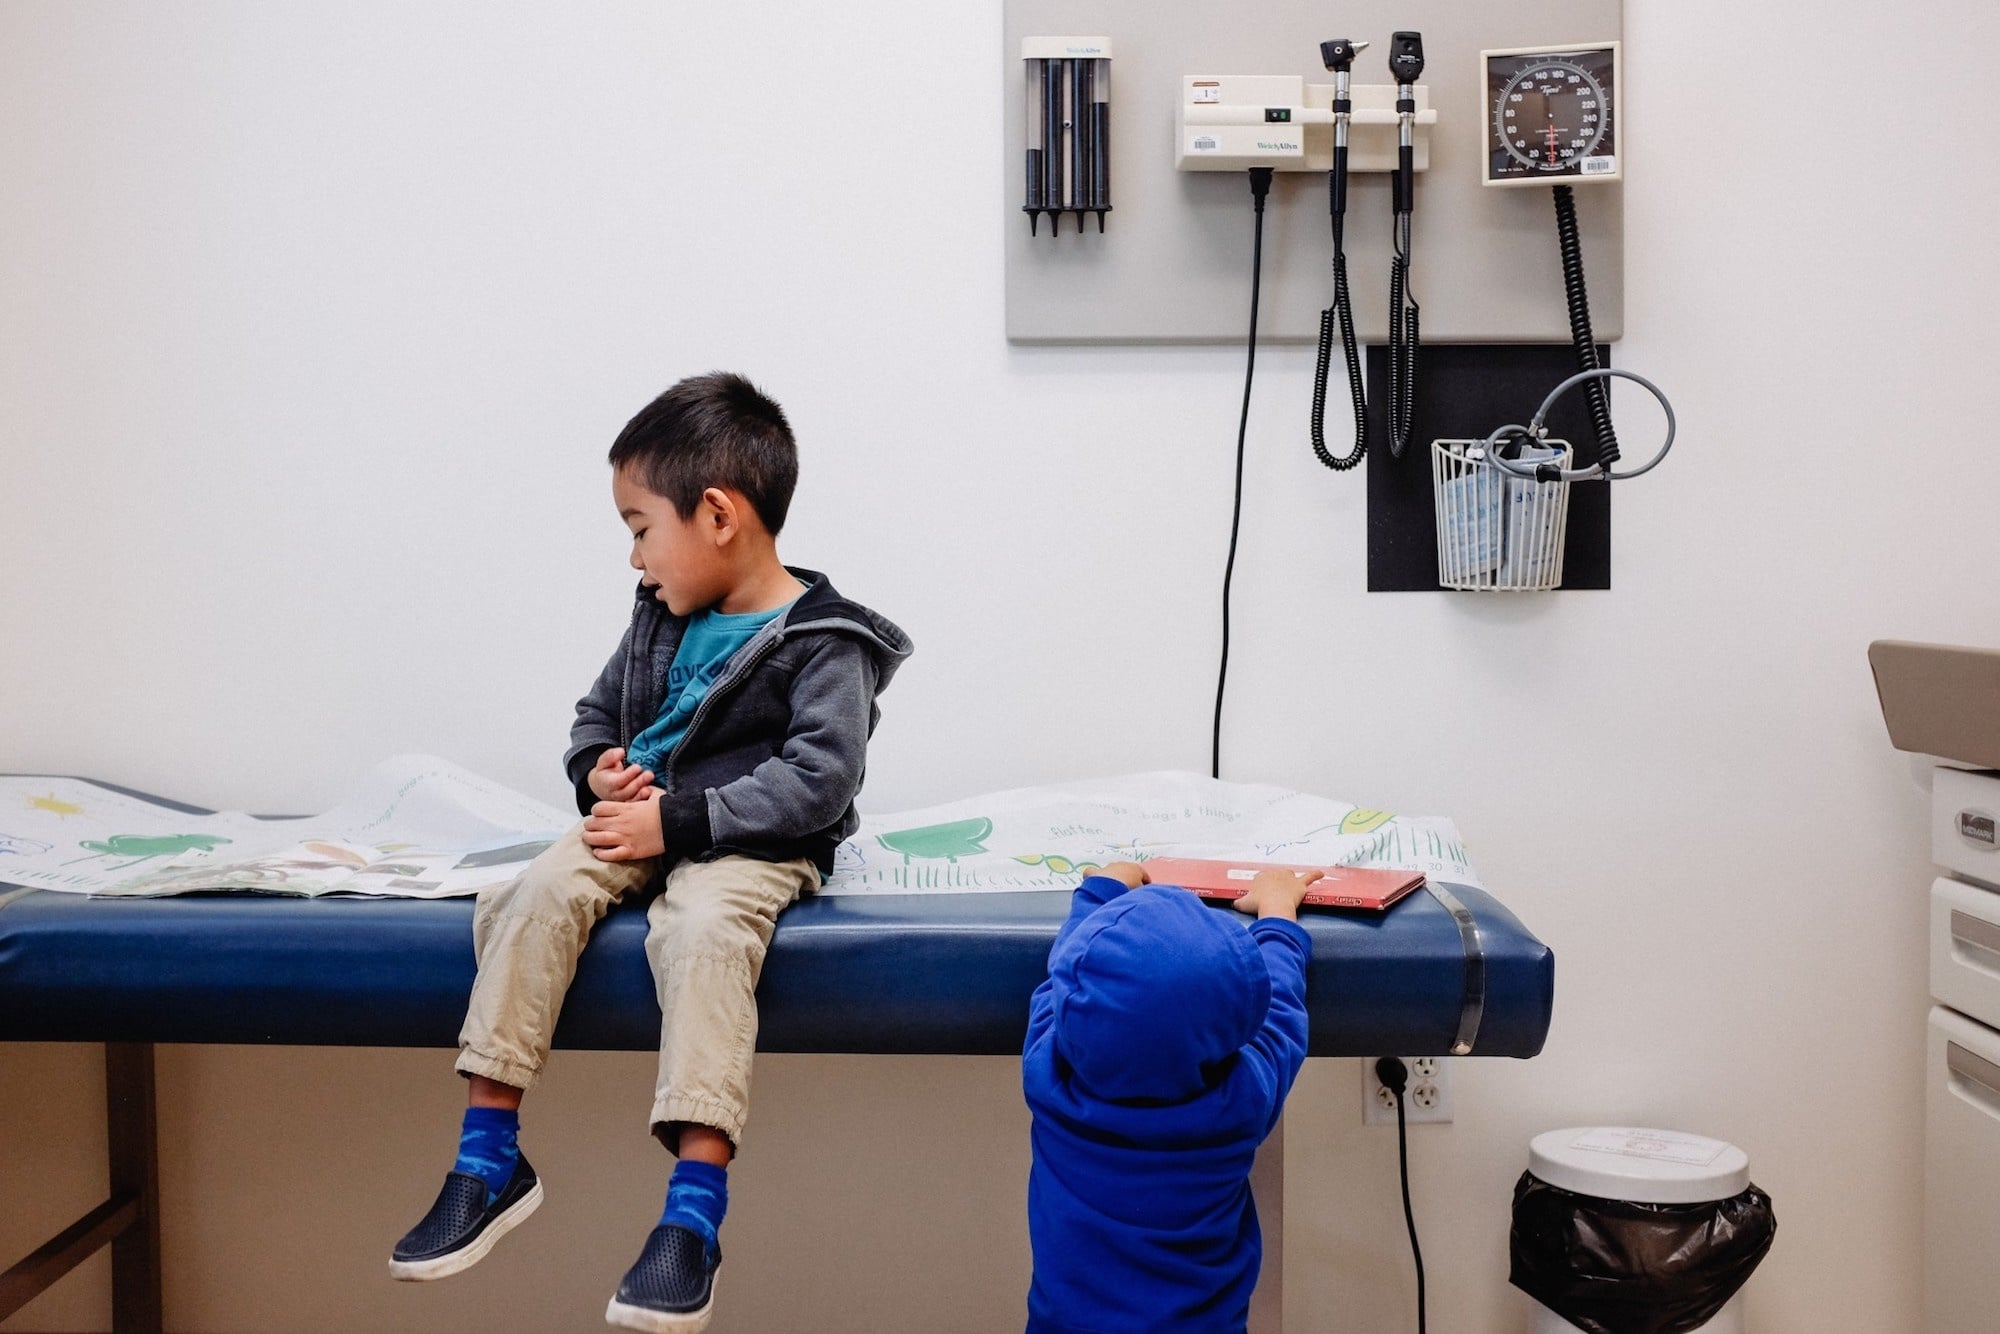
682 558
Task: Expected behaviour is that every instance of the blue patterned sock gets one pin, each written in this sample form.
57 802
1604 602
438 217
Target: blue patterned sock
487 1148
697 1196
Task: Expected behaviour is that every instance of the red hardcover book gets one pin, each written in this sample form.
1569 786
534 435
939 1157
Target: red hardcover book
1338 886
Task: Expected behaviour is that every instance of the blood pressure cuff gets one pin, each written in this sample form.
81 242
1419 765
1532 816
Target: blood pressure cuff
1621 1267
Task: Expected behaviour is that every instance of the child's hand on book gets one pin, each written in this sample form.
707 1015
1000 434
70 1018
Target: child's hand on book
1276 894
1130 874
625 831
611 779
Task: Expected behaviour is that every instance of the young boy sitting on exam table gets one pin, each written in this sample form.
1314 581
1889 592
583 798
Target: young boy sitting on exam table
716 759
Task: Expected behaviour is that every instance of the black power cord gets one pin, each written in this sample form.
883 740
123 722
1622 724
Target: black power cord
1395 1077
1260 187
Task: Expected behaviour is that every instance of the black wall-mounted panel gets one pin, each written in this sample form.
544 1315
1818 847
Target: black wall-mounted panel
1464 391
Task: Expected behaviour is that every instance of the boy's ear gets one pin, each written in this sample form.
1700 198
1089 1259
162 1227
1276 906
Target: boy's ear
723 517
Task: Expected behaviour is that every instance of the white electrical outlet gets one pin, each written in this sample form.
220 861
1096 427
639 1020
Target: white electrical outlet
1426 1098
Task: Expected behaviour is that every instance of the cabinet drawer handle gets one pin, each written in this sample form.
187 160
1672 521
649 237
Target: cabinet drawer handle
1975 1078
1976 933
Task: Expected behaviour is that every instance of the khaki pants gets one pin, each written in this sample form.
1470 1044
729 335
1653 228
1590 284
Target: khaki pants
705 940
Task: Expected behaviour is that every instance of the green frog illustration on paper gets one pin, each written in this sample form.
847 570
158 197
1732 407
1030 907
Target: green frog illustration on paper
144 847
959 838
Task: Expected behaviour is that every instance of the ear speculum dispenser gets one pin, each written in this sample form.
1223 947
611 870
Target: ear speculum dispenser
1068 166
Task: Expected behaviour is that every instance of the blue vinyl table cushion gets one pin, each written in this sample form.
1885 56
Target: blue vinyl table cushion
944 973
908 973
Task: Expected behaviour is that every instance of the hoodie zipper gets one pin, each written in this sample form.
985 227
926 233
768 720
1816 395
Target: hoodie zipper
625 732
736 678
716 691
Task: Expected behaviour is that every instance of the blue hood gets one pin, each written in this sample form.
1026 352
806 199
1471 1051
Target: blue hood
1151 992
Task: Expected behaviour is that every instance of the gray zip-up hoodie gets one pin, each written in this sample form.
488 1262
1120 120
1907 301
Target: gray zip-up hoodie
772 759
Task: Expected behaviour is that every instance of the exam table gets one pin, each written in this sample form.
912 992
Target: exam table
1441 972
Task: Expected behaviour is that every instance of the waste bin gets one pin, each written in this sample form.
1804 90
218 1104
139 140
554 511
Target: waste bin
1619 1230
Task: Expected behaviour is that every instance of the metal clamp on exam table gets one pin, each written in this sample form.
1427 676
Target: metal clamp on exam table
1473 1008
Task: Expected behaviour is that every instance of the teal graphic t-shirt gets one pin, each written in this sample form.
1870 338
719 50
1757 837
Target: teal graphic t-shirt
711 640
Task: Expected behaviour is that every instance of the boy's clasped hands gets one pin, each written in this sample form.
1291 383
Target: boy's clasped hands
624 825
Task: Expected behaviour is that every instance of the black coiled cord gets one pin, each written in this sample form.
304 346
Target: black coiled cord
1402 343
1579 324
1343 309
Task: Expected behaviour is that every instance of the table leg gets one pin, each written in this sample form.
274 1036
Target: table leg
129 1111
129 1221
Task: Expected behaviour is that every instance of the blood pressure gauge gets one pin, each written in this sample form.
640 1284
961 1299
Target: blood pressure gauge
1552 114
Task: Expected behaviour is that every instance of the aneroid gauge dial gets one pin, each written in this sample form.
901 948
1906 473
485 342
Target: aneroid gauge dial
1552 114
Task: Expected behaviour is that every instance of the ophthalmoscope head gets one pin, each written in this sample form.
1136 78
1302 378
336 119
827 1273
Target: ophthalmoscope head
1406 56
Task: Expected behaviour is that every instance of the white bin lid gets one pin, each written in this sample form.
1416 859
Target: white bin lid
1645 1166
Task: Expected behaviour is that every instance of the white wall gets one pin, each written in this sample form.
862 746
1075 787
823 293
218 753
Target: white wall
318 319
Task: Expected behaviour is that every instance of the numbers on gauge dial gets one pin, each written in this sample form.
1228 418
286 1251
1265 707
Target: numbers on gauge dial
1550 114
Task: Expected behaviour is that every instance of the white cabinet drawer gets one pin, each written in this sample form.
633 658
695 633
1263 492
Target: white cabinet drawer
1965 822
1965 949
1961 1175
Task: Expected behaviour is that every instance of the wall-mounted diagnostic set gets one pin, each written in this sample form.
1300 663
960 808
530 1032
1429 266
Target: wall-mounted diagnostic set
1283 123
1549 118
1227 122
1068 156
1459 149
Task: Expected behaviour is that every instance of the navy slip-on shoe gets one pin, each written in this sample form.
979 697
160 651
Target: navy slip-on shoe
670 1288
463 1225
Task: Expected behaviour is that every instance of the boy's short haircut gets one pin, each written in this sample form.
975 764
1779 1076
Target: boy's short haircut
713 430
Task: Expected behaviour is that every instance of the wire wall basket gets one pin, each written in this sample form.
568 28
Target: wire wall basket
1497 532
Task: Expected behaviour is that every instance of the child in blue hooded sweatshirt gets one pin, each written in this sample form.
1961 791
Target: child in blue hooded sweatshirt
1159 1053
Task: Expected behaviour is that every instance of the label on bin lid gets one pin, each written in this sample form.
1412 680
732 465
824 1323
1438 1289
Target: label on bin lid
1662 1146
1640 1164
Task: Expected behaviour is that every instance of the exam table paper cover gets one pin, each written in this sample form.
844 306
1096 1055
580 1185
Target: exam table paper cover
421 827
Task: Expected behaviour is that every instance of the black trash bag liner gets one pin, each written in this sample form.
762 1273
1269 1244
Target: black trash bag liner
1620 1267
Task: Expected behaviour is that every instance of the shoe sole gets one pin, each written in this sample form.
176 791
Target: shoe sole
444 1266
661 1322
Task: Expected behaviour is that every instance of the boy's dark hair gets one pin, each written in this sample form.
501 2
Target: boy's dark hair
713 430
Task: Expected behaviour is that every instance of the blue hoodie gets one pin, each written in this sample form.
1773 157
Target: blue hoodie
1159 1053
